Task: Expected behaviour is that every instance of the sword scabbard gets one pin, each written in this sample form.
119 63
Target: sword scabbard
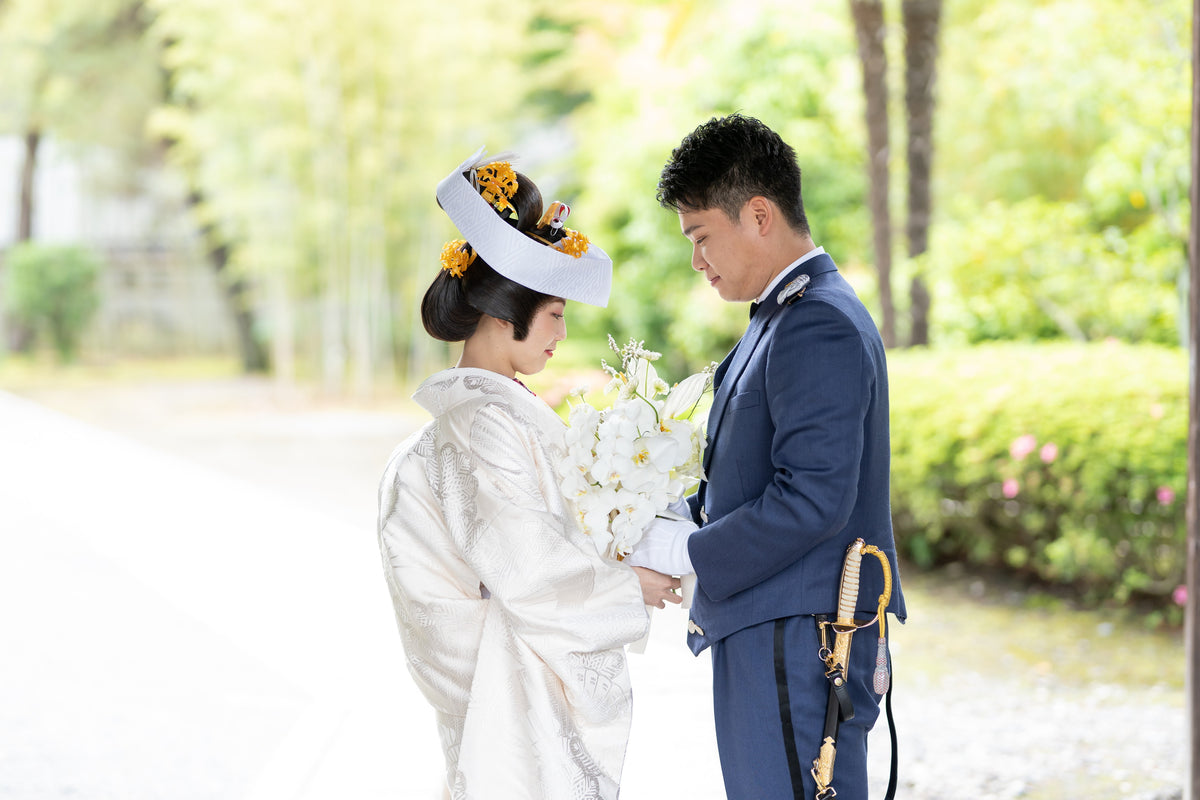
822 770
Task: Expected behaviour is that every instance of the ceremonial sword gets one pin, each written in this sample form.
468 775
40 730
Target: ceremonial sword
837 662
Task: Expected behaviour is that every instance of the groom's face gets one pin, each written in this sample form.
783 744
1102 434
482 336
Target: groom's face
726 251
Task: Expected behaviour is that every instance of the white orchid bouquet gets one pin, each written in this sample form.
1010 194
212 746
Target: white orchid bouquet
627 463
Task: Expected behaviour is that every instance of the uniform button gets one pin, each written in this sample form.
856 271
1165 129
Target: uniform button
694 628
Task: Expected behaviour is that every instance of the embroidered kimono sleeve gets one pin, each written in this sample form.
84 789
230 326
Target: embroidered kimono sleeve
559 595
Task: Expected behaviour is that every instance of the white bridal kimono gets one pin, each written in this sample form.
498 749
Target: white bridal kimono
512 623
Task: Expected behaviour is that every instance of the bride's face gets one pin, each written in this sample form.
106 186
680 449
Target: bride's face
547 328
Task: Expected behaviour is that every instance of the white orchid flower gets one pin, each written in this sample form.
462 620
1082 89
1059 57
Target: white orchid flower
576 483
675 445
645 416
595 508
686 394
633 515
614 459
580 437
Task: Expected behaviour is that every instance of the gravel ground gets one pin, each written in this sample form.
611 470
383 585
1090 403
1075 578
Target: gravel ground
1014 708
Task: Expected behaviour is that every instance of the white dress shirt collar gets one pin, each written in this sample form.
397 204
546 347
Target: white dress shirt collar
816 251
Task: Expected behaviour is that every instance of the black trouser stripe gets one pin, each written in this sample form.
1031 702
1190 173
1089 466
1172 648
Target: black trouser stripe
785 714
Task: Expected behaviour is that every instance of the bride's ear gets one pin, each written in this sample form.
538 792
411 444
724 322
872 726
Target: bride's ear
490 322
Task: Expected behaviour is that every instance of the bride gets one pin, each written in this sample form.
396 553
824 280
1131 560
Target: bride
513 625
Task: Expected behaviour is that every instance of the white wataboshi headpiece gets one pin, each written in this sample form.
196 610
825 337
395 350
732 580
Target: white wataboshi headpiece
586 278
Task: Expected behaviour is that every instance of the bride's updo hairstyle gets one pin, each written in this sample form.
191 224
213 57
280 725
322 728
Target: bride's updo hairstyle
467 287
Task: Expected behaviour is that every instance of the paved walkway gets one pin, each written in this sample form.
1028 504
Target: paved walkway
172 631
198 613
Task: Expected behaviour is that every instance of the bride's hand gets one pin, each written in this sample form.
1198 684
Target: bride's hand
657 588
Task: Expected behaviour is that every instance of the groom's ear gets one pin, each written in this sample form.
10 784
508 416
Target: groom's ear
761 212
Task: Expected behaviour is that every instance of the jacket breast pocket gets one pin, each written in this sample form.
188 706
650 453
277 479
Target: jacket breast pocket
748 399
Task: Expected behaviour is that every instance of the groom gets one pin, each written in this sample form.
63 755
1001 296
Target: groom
797 468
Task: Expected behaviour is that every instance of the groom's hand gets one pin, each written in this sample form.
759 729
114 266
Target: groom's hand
663 547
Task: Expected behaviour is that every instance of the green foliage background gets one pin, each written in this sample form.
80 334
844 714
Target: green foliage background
310 144
1065 462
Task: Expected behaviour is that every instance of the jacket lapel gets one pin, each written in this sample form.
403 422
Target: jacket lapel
729 372
731 368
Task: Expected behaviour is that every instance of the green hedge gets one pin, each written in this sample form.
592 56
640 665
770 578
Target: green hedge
52 290
1064 462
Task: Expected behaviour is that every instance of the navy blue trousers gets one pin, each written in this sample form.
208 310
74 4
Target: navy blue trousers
747 711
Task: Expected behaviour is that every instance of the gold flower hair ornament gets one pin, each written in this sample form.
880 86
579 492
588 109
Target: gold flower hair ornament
498 183
573 243
457 255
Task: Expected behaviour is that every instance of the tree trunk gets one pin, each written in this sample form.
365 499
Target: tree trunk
283 329
921 22
14 334
1191 679
869 31
237 292
33 140
251 351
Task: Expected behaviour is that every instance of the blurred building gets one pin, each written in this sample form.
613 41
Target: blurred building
158 294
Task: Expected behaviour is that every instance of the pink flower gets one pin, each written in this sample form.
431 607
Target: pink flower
1022 446
1180 595
1049 452
1011 487
1165 495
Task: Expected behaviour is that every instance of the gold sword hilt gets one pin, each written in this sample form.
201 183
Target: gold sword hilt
839 658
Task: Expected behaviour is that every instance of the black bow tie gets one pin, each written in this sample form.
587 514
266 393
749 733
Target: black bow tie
754 308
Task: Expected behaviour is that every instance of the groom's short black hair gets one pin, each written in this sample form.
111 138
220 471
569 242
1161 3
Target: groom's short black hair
726 161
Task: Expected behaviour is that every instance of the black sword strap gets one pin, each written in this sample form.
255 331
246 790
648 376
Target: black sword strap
785 714
838 709
891 790
832 720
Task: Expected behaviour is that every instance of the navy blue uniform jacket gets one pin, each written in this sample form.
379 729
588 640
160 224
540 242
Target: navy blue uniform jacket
797 463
